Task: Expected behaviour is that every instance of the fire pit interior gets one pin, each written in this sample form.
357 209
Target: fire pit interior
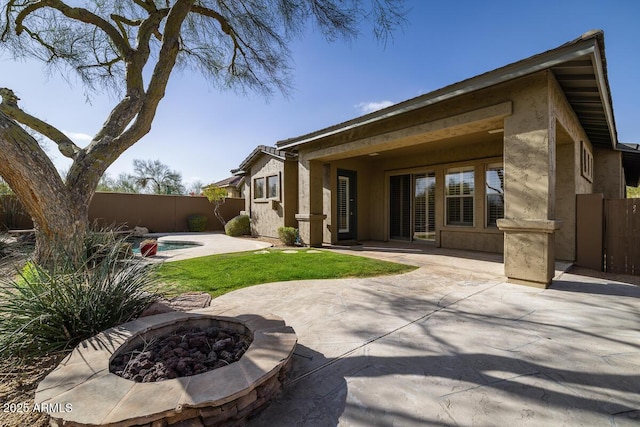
183 352
85 381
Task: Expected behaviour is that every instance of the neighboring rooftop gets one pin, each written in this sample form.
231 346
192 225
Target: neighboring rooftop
261 149
232 181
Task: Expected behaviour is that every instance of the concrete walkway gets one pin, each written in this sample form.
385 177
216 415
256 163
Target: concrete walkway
452 344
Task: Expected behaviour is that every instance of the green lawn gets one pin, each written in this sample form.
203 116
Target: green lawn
219 274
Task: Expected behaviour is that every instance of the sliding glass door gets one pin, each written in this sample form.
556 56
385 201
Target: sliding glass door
424 206
412 207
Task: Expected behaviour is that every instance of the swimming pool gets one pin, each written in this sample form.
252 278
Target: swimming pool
166 245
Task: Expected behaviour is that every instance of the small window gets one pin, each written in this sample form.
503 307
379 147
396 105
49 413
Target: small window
273 186
258 188
586 162
459 196
494 188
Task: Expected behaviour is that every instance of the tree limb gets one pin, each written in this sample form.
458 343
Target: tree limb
129 107
9 106
226 27
84 15
109 145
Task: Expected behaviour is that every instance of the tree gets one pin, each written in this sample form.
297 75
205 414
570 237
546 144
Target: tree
157 176
236 44
195 188
216 196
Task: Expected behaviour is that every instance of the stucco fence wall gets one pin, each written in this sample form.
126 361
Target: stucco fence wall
158 213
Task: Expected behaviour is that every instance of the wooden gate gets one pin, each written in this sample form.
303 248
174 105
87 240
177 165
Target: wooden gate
622 236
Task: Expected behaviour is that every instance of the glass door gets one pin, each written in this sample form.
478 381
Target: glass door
424 207
412 207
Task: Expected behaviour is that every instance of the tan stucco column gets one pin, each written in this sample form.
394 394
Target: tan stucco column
310 215
529 161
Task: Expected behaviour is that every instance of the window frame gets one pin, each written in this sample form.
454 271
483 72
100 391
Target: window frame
492 167
268 187
262 183
259 183
460 171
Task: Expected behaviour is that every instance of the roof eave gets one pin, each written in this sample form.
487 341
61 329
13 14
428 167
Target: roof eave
540 62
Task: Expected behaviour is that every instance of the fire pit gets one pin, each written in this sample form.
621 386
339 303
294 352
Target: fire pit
83 391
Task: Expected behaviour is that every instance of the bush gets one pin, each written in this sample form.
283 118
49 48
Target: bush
48 310
238 226
197 222
288 235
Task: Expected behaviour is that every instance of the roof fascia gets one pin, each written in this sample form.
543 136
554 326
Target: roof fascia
605 97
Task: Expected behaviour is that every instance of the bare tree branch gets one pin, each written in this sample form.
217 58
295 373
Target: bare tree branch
9 106
112 146
84 15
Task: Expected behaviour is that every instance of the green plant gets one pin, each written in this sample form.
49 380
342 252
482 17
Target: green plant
288 235
45 310
217 196
196 222
238 226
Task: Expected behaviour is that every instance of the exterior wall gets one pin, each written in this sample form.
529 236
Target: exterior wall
609 175
478 237
571 139
267 215
159 213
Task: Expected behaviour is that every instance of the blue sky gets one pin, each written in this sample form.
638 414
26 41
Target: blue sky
204 132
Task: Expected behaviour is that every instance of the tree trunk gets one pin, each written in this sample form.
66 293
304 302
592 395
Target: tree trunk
60 214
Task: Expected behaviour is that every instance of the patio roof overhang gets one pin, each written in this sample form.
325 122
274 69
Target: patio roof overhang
579 67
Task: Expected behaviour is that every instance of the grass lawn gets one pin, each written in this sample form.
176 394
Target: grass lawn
219 274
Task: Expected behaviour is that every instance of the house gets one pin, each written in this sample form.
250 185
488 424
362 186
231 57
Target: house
271 192
492 163
234 186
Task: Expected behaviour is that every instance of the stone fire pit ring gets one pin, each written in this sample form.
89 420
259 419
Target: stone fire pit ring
82 391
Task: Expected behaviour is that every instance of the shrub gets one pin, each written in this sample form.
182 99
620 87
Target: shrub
238 226
196 222
288 235
53 309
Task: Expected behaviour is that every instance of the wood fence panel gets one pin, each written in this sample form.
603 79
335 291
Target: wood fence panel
622 242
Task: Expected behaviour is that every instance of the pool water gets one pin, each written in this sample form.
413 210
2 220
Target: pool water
167 246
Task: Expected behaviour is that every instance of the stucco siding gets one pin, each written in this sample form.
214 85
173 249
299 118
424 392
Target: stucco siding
267 215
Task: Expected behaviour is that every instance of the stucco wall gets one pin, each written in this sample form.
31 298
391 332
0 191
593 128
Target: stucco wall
608 173
267 215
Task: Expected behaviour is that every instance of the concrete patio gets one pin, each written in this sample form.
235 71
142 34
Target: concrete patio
452 344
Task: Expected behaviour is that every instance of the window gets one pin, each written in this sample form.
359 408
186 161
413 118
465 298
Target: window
459 196
494 182
266 188
272 186
586 162
258 188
